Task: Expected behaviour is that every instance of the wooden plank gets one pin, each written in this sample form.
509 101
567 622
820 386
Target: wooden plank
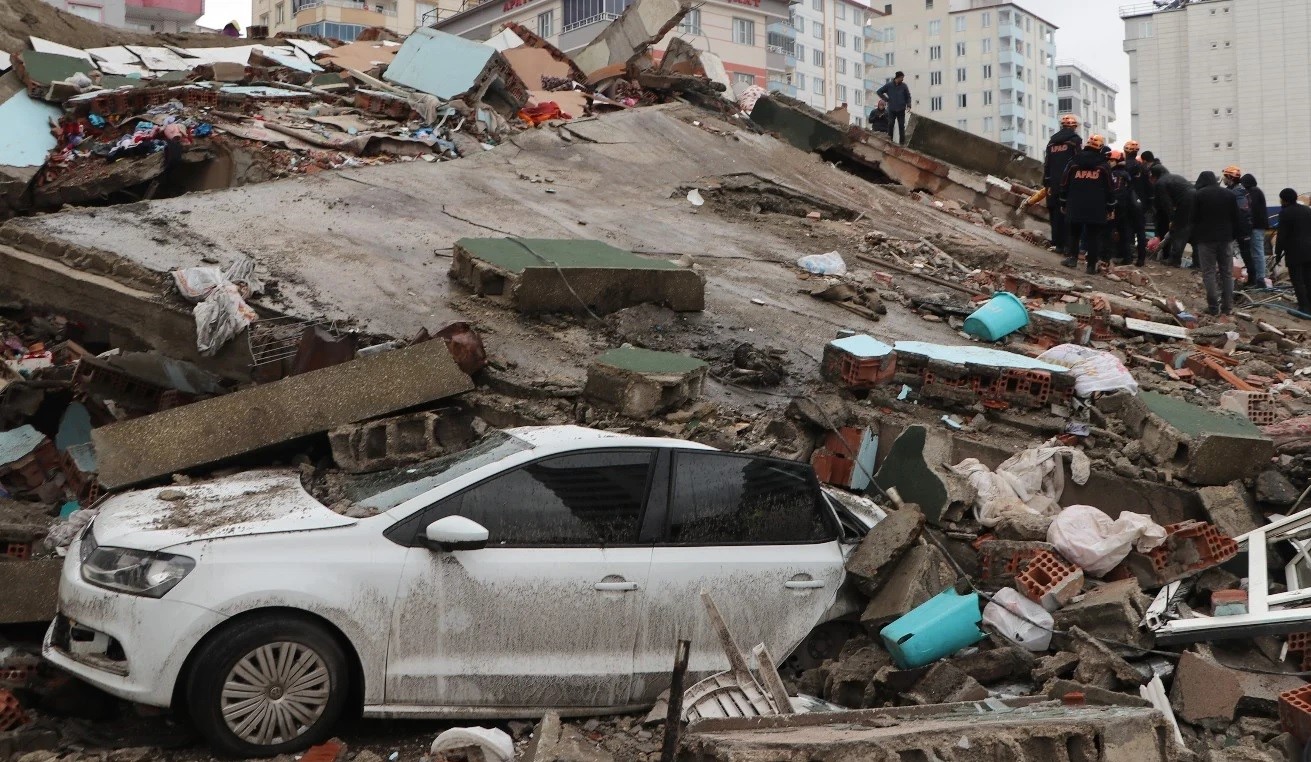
1157 329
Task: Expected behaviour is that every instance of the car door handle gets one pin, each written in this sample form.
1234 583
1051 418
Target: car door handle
804 584
616 587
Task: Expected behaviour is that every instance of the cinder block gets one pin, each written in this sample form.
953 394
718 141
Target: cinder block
1189 547
875 560
391 442
1295 712
859 362
641 382
1001 560
1257 407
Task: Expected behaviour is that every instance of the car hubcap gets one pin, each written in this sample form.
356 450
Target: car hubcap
275 693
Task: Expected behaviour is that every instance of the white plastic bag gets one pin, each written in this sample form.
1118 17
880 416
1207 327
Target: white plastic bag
221 311
823 264
1031 481
496 745
1091 540
1093 370
1020 619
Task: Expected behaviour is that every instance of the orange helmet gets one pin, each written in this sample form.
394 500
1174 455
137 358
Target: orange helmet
1095 141
1233 171
1069 120
1115 156
1131 145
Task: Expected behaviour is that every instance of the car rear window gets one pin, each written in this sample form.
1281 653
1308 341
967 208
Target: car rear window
385 490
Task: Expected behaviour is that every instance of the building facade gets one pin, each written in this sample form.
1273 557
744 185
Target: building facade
1219 82
749 35
985 66
1087 95
830 55
340 19
144 15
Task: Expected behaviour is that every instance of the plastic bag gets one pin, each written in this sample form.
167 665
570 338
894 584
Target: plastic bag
219 318
823 264
1030 481
1093 370
496 745
1020 619
1091 540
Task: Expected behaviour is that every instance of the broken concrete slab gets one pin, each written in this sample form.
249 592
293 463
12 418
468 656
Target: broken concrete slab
558 275
916 467
643 382
1273 488
874 561
923 573
25 134
970 151
1092 694
212 430
992 665
1112 611
974 374
31 590
627 38
1199 445
555 741
946 683
1016 730
847 681
1099 665
1208 693
1230 508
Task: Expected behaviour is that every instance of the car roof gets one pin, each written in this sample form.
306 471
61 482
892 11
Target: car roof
554 438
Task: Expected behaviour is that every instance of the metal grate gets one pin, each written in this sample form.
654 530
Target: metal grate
276 339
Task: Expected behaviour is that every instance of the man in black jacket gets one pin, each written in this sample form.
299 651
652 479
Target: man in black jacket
880 120
1060 150
897 94
1088 196
1293 244
1128 214
1216 228
1142 188
1260 221
1174 200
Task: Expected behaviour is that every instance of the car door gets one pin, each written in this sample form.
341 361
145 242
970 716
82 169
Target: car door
547 613
756 533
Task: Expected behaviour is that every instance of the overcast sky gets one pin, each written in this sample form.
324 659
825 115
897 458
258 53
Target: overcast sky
1089 31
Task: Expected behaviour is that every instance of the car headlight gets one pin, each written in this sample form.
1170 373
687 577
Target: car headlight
136 572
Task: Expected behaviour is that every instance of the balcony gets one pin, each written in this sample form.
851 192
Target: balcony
1006 84
877 60
1007 135
1010 108
782 29
873 34
1008 30
778 58
1009 56
170 10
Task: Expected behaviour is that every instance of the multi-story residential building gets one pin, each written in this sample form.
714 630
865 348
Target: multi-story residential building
753 37
340 19
830 51
1219 82
985 66
1087 95
145 15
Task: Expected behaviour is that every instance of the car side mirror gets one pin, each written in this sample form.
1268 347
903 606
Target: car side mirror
456 533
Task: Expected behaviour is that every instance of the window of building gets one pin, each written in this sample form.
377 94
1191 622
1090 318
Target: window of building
935 78
818 5
1064 81
935 103
1065 105
857 70
742 78
891 59
723 498
987 97
987 124
546 23
840 64
987 71
961 23
800 52
840 37
801 81
935 52
858 96
985 19
817 30
840 93
987 44
858 121
935 28
928 5
799 23
263 19
960 100
963 124
818 85
280 13
817 57
857 43
580 13
691 23
889 34
960 75
744 32
840 10
332 30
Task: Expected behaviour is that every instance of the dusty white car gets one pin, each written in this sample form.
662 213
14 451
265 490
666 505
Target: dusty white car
544 568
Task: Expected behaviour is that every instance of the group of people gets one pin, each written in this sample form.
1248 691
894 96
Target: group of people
894 102
1102 200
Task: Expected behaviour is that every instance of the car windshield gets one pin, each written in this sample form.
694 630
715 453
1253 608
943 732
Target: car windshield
387 489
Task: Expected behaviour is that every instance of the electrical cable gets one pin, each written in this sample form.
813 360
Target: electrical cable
563 278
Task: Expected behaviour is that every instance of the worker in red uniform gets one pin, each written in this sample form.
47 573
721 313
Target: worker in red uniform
1060 149
1088 199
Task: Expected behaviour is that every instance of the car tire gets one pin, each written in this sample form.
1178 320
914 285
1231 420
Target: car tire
268 687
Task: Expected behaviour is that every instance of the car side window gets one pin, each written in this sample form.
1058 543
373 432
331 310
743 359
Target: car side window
593 498
727 499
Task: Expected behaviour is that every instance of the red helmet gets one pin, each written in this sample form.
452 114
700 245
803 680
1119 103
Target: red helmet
1115 155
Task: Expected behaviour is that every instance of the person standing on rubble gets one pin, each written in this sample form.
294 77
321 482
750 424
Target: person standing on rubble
1174 199
1232 181
1260 222
1142 189
1060 150
880 120
1217 226
1293 245
1127 215
897 95
1088 197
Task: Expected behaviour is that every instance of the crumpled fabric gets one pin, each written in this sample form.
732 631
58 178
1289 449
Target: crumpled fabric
542 112
64 531
1093 370
427 106
1091 540
747 100
1030 481
1290 434
221 311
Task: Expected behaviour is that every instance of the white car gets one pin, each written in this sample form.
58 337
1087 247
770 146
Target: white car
543 568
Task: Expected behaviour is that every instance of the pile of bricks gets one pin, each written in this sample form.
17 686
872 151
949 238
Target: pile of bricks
1000 561
839 460
381 103
1022 388
1049 580
858 362
1189 547
1257 407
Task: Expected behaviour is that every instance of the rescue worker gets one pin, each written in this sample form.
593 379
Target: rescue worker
1060 150
1142 188
1174 198
1088 196
1260 223
880 120
1293 245
1217 224
1233 182
1127 216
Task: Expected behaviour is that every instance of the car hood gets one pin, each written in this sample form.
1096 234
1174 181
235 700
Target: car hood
255 502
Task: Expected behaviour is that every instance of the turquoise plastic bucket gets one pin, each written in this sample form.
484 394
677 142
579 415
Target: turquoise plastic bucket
1002 315
939 627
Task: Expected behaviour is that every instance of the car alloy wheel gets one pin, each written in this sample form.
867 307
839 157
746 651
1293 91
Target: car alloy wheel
275 693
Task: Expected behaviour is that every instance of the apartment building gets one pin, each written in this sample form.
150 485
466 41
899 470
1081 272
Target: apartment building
339 19
143 15
985 66
1087 95
1220 82
830 55
749 35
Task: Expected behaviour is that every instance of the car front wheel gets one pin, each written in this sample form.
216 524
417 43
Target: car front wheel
269 687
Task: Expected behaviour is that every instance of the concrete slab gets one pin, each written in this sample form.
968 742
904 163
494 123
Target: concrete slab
211 430
25 136
641 382
31 590
1203 446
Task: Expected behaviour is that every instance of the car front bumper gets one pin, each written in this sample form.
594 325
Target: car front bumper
129 646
